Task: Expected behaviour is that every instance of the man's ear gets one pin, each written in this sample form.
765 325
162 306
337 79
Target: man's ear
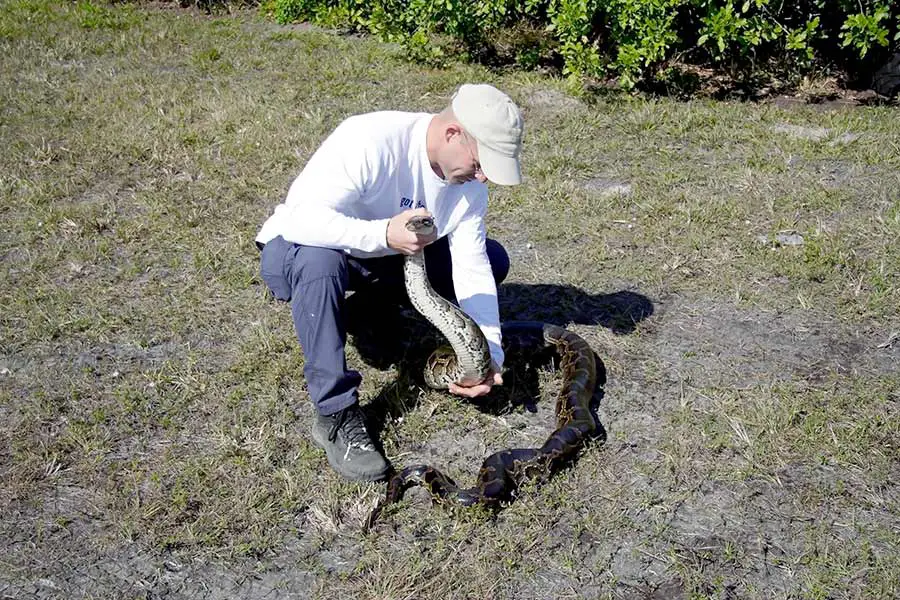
451 131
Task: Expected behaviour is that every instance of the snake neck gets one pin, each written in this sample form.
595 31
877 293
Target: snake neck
473 357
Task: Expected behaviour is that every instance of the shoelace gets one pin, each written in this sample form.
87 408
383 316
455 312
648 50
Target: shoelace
350 420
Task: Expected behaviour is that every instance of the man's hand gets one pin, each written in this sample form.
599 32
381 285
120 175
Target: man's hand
402 239
479 389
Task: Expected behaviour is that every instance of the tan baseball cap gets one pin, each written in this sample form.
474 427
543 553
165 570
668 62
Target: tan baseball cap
494 120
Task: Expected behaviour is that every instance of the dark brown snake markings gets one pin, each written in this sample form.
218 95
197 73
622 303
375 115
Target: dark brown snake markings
504 471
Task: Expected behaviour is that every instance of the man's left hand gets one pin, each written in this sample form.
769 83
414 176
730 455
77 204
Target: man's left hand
479 389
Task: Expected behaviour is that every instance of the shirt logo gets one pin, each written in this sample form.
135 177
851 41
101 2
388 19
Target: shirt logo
408 203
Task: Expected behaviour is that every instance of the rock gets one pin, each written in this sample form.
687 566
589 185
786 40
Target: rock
781 239
789 239
549 98
798 131
843 139
607 187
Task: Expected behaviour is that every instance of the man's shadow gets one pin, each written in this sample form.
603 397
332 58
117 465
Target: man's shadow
385 334
619 311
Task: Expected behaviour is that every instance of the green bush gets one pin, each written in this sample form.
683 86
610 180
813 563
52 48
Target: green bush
632 40
330 13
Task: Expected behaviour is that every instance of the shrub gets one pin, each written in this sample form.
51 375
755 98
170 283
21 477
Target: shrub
631 40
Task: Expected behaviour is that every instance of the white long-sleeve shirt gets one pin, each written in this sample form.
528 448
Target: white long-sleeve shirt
372 167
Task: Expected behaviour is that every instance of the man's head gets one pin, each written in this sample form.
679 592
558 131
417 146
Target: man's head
480 137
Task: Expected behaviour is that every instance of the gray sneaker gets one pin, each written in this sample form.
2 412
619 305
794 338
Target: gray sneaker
348 446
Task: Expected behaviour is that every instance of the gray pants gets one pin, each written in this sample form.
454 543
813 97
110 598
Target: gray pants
315 281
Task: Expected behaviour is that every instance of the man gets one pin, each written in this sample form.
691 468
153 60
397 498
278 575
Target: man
342 227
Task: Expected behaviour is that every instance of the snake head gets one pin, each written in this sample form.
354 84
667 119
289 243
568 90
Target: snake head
421 224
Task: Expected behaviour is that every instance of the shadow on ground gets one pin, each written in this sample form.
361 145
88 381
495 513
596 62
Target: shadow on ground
564 304
385 334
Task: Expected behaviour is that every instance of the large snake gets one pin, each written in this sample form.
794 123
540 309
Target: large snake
470 360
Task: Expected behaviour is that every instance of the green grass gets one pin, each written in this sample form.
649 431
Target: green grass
152 398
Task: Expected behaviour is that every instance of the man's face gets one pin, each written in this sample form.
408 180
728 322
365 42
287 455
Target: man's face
463 164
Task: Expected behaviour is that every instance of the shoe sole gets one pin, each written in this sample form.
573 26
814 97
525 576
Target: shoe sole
338 465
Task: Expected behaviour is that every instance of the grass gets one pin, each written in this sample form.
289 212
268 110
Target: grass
154 412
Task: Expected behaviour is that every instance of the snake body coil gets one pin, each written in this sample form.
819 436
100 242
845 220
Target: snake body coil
503 471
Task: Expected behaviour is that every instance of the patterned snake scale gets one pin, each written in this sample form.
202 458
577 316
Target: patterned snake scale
503 471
